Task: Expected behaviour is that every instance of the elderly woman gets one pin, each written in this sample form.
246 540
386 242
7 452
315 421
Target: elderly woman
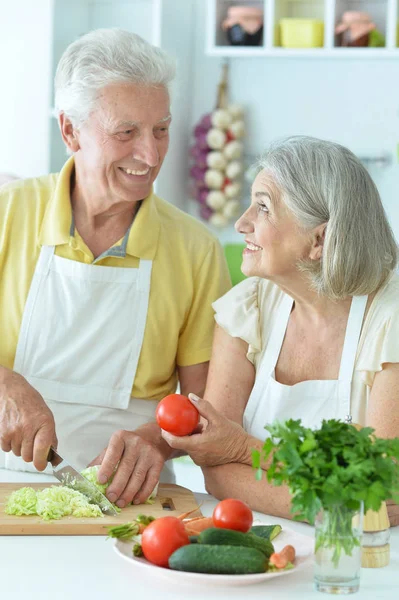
313 332
105 288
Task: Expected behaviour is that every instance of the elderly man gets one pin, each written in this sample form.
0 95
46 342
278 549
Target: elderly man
105 289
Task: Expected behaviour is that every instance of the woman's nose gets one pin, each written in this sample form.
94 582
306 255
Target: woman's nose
244 224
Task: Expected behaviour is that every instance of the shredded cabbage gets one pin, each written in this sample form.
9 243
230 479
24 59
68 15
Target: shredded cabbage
60 501
51 503
22 502
91 473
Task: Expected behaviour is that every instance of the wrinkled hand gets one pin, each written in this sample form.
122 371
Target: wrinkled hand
140 464
218 441
27 425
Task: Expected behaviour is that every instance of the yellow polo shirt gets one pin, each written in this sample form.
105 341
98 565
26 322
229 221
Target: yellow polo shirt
189 272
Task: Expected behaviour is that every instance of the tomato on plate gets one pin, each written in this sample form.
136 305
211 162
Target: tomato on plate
161 538
177 415
233 514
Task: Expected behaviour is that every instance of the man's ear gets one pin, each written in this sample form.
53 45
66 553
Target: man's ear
318 236
68 133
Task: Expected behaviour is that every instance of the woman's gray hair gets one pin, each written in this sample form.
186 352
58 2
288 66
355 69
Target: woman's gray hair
103 57
324 182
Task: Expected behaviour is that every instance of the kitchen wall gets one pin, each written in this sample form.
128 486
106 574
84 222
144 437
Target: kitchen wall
354 102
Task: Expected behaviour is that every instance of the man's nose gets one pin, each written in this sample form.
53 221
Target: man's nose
147 151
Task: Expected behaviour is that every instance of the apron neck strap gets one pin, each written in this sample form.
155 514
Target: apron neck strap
277 334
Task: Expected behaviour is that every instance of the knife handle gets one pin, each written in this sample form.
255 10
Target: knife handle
53 457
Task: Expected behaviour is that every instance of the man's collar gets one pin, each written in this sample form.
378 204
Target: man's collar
58 216
144 233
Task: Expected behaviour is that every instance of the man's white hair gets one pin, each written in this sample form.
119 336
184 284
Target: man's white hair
104 57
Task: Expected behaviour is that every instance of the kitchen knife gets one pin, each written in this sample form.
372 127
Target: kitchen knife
71 478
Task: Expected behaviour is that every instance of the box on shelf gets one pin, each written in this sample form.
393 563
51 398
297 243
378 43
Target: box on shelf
301 33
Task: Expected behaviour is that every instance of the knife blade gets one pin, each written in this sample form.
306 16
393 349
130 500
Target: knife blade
71 478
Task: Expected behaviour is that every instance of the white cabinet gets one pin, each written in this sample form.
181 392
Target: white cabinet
385 14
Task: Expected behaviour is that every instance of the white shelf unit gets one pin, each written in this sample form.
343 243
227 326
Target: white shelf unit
385 14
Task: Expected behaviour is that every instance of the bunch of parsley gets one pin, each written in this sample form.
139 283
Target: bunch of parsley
336 467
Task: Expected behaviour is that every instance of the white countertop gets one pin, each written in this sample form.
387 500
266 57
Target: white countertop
87 567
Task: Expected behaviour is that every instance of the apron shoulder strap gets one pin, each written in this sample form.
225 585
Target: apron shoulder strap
352 335
273 348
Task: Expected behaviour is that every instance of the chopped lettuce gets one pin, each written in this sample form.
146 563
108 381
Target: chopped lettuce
51 503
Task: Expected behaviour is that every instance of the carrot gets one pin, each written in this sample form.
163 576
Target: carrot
190 512
195 526
281 559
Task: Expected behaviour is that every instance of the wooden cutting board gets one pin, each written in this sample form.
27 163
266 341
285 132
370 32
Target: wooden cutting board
172 500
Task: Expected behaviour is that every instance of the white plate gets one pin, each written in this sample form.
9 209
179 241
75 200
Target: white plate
304 558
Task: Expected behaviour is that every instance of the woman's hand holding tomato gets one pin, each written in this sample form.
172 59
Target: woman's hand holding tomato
177 415
215 441
161 538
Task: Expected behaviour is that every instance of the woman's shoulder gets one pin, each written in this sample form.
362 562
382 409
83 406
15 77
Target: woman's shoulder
269 295
379 340
385 305
243 311
251 292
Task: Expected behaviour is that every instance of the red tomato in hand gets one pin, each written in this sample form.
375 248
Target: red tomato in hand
177 415
233 514
161 538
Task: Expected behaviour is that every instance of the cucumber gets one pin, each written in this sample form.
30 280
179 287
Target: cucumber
267 532
228 537
218 560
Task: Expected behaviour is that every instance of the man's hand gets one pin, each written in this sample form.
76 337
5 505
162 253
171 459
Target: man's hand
217 440
141 455
27 425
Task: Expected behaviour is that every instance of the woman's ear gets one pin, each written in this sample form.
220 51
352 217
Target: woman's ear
68 133
318 236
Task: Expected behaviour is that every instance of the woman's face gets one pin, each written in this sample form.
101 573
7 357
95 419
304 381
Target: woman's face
124 142
274 241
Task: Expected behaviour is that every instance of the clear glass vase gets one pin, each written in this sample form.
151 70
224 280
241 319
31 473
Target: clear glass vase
338 546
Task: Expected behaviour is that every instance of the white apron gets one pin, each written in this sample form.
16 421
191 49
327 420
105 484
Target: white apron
80 340
311 401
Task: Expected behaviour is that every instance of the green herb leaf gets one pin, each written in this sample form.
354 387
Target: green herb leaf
336 464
